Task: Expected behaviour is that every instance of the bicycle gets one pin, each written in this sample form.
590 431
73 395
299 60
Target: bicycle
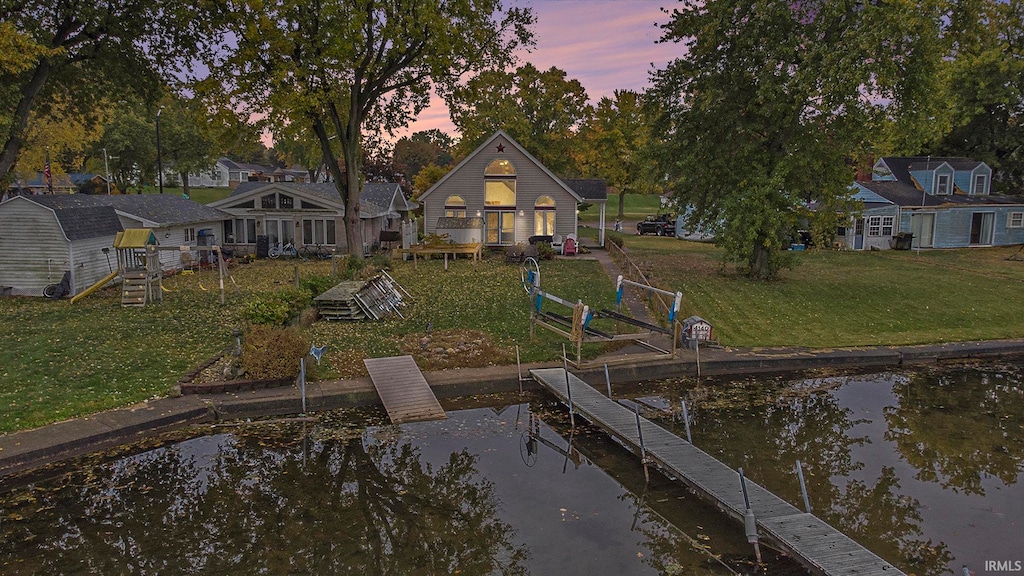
288 251
310 251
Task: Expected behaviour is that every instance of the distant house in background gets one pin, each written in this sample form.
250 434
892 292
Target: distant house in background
516 196
942 202
229 174
307 213
42 236
62 184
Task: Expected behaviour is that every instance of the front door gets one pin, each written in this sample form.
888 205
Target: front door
501 227
982 227
858 234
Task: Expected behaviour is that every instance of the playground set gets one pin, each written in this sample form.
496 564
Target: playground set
579 329
140 269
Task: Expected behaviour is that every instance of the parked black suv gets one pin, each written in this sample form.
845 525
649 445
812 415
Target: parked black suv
661 225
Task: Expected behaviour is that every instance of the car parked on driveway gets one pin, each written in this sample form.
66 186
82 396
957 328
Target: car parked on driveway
661 225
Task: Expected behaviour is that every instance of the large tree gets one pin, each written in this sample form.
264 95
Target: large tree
616 144
542 110
985 88
351 68
75 52
771 104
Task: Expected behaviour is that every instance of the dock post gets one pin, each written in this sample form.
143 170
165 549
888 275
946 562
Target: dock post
608 380
749 522
696 343
803 486
686 421
640 434
302 382
519 369
568 389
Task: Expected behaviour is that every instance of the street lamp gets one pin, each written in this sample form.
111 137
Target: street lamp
159 159
106 167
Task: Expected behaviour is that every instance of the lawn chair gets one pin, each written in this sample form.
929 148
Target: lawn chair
556 243
569 247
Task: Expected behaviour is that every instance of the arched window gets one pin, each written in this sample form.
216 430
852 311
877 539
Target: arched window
544 216
500 167
455 207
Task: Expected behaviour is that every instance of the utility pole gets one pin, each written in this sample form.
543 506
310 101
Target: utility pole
106 168
159 159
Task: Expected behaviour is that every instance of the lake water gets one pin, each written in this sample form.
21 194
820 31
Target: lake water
924 468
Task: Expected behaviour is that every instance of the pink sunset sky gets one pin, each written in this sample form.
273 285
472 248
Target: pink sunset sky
605 44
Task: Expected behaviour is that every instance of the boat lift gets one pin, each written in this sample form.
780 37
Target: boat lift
578 329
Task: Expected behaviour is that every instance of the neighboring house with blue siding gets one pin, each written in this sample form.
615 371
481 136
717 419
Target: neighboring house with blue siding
942 202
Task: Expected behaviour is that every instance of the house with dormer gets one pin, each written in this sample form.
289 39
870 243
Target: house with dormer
507 190
934 202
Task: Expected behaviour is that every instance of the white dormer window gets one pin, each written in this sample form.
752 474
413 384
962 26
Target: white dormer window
942 184
980 183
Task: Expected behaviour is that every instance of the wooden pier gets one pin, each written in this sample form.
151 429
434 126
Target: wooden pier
819 547
405 393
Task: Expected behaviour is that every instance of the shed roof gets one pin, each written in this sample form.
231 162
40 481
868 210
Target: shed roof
590 189
78 221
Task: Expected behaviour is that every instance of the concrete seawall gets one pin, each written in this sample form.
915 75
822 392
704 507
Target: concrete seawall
29 449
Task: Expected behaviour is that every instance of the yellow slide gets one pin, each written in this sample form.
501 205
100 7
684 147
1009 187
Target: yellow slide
94 287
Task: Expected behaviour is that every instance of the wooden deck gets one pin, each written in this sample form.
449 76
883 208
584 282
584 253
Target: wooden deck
818 546
405 393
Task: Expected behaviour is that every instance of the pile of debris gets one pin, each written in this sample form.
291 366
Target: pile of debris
374 299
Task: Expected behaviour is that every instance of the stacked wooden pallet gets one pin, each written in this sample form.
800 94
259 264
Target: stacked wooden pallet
375 299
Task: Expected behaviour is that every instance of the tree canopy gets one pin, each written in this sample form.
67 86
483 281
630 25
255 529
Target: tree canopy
351 69
770 106
542 110
73 54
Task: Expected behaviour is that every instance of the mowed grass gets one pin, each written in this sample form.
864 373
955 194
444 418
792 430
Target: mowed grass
61 360
637 206
832 299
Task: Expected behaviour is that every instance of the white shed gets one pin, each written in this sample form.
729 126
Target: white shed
43 236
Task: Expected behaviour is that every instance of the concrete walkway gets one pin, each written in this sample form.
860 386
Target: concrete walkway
32 448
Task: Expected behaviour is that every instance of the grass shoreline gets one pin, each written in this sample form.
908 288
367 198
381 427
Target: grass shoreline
62 361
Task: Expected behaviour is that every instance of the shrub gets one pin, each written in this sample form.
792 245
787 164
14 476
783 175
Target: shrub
545 251
272 352
617 238
276 308
381 261
316 284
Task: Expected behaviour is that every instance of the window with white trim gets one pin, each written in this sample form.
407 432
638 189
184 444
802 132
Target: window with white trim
880 225
942 184
979 185
190 235
1015 220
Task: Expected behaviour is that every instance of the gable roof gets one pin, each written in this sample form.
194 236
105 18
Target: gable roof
909 196
590 189
502 134
161 209
78 221
900 166
323 190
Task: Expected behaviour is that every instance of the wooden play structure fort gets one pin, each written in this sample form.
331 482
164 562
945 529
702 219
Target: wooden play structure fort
138 265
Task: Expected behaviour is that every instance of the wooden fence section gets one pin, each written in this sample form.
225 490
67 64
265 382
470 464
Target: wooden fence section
819 547
630 271
405 393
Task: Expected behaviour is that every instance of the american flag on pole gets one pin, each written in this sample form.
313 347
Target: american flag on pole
46 174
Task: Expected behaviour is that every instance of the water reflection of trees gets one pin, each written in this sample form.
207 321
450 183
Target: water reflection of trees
959 427
262 505
768 427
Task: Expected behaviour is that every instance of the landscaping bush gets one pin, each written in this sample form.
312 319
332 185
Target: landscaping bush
381 261
617 238
272 352
276 308
545 251
317 284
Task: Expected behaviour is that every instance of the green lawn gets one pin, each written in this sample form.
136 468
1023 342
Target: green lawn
846 298
61 360
200 195
636 208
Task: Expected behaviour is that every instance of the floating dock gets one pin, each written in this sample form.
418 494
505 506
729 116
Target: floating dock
405 393
818 546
